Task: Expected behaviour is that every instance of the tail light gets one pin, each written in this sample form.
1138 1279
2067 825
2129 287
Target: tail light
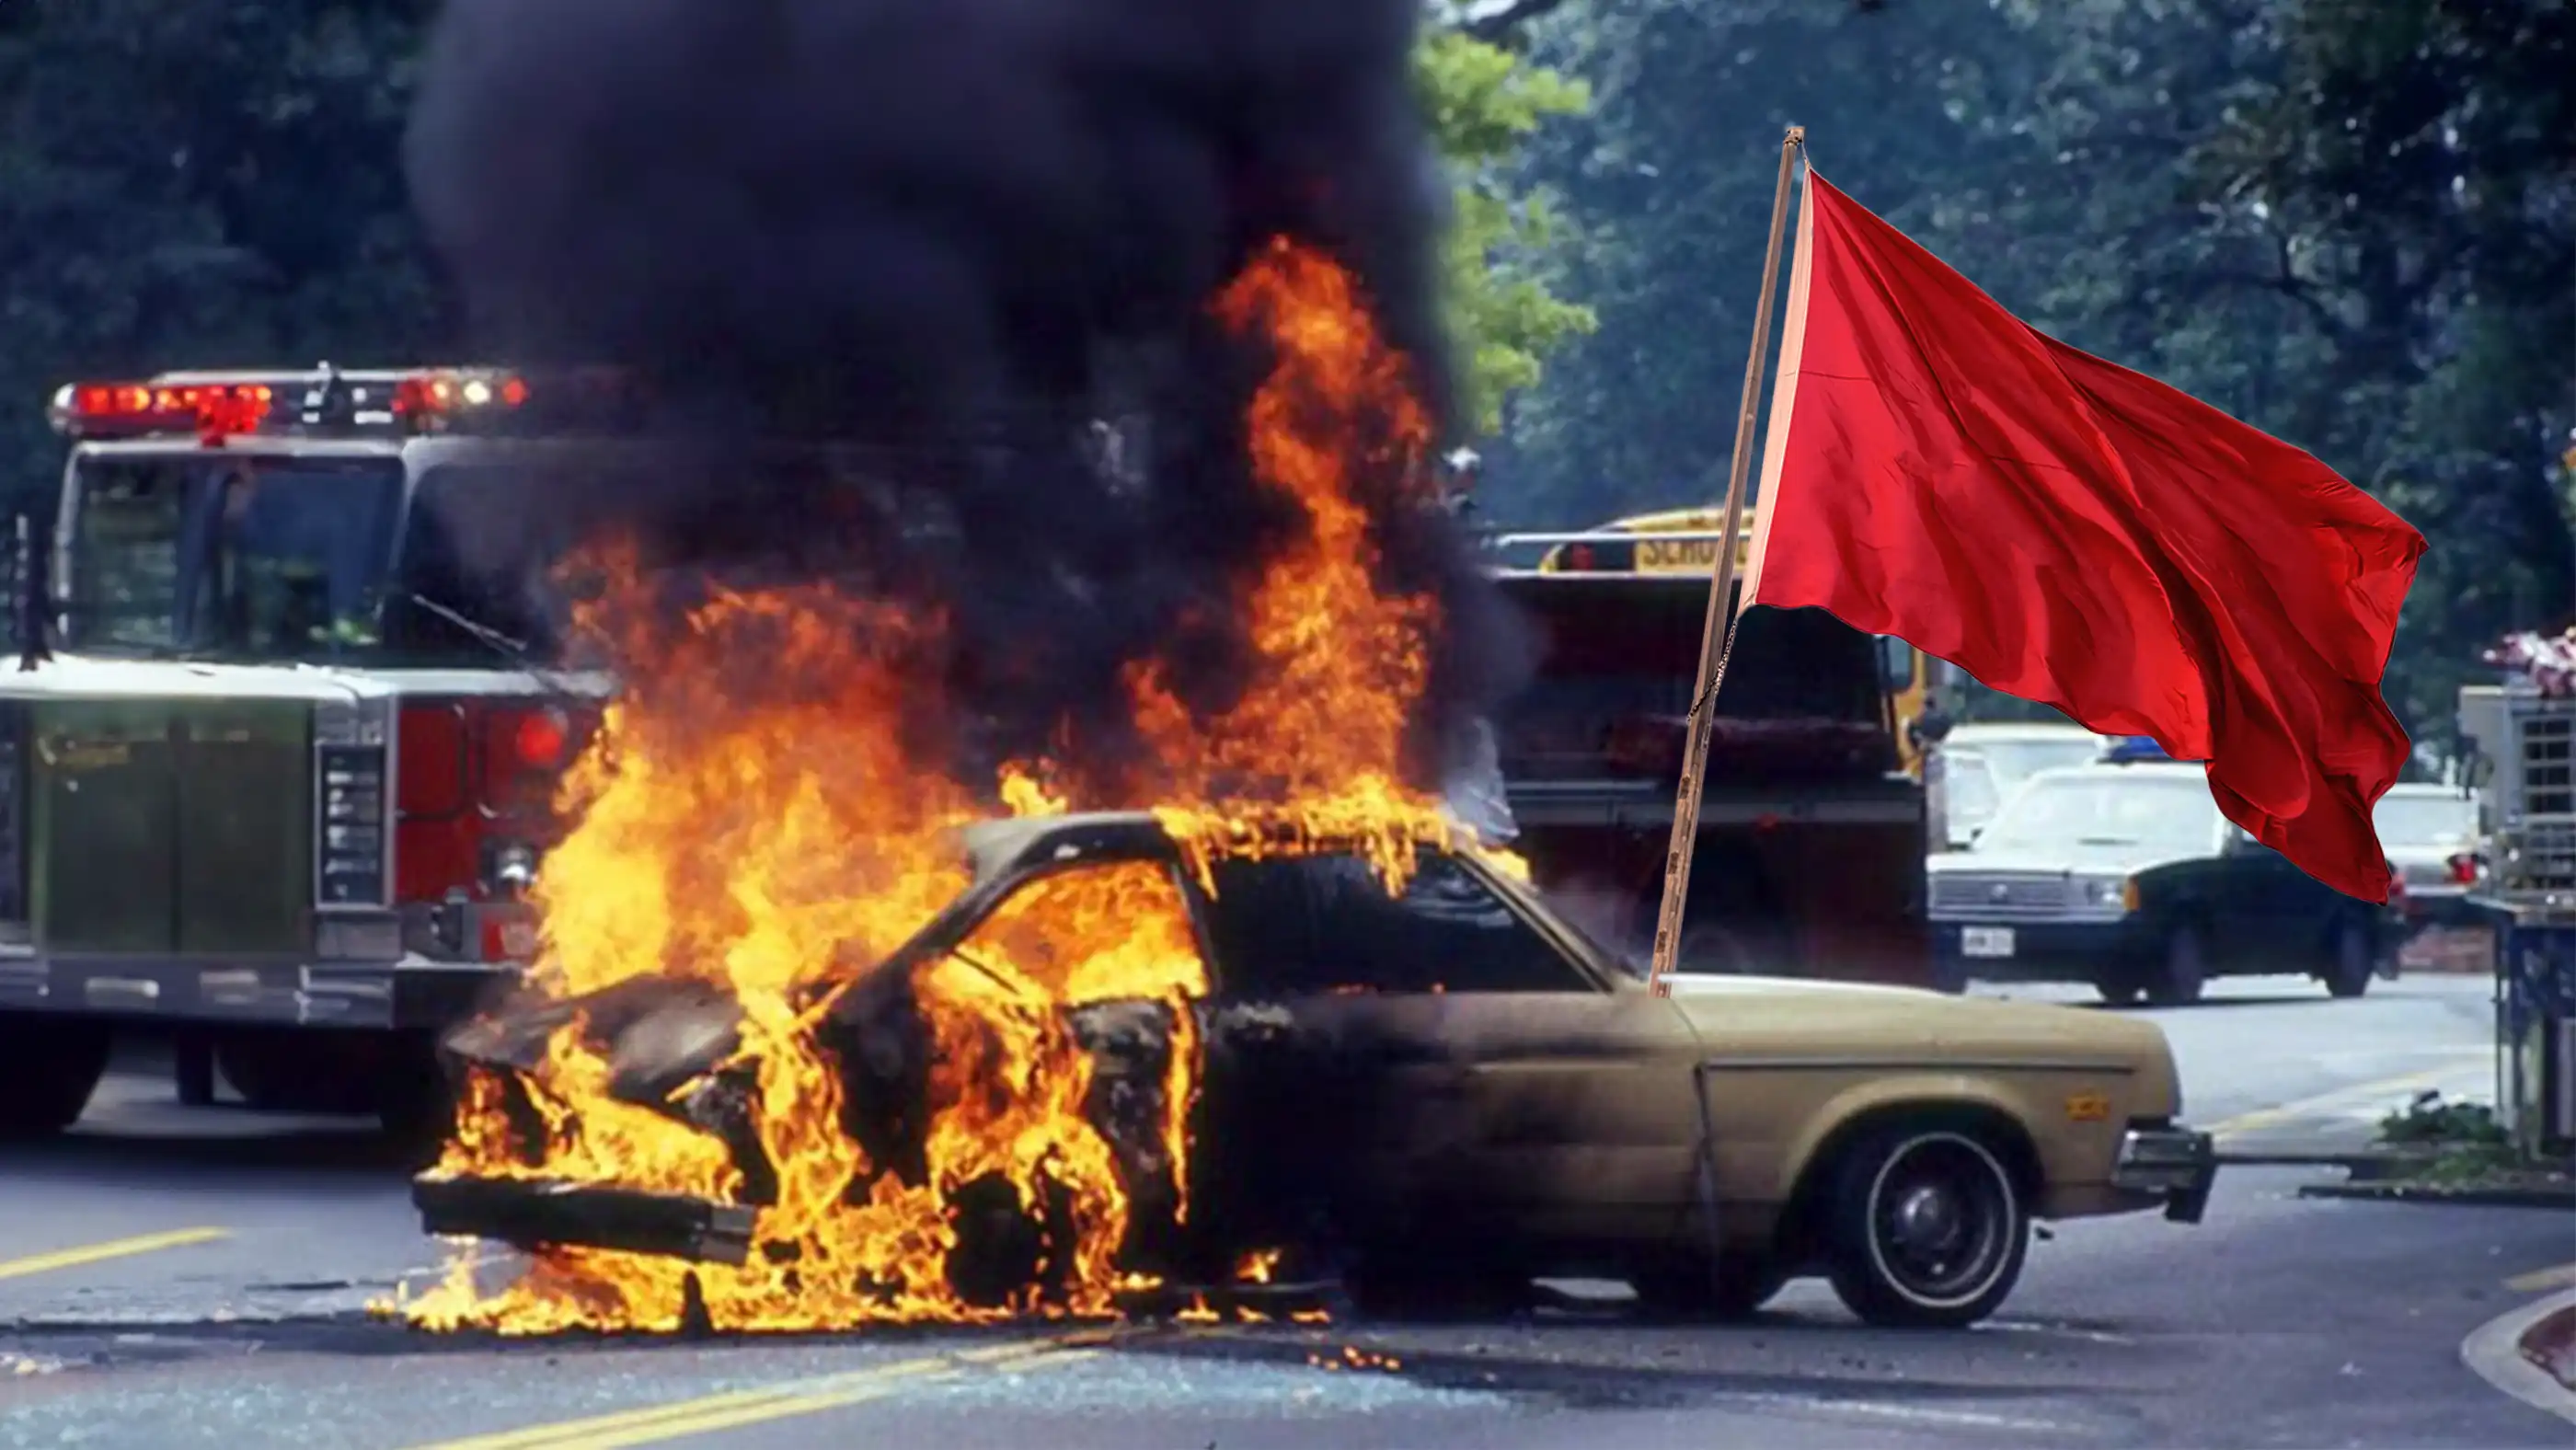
2465 868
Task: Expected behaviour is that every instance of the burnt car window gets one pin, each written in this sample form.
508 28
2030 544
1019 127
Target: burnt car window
1327 924
1092 934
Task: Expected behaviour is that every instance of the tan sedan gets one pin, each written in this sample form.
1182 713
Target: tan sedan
1454 1087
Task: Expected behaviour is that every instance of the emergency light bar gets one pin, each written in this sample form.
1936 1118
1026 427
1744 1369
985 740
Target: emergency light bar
216 406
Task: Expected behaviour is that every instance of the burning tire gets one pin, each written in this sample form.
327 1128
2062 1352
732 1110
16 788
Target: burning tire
1928 1227
48 1069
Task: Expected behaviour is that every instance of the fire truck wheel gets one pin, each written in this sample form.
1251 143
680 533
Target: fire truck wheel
313 1070
47 1069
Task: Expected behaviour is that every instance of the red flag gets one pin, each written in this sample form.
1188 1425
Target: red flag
2078 534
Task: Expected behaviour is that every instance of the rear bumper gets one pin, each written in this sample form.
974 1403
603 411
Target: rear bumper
2174 1164
413 992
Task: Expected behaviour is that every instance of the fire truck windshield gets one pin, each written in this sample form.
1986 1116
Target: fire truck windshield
270 558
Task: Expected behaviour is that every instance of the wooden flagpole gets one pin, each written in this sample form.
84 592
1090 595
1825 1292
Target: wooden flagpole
1719 632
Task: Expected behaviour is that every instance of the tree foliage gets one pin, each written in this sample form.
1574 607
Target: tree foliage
2348 221
1483 102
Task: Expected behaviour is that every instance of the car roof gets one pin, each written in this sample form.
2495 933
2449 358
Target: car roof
1999 730
2417 790
2111 770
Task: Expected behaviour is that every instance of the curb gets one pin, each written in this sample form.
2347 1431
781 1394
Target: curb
2494 1351
2465 1197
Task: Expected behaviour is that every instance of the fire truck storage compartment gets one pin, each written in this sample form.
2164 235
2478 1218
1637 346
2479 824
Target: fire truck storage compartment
171 825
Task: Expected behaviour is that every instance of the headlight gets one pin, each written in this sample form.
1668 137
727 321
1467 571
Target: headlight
2100 891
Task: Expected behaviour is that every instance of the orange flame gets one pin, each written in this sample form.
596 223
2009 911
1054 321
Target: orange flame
778 844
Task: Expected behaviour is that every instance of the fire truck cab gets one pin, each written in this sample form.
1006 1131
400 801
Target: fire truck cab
1810 856
279 762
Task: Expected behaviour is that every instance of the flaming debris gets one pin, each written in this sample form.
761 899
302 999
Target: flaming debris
774 850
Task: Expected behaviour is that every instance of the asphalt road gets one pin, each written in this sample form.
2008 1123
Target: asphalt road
174 1278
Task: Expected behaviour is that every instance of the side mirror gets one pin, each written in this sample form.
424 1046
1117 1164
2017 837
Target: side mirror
32 594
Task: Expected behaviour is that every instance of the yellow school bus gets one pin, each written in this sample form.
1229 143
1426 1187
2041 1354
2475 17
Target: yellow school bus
1685 541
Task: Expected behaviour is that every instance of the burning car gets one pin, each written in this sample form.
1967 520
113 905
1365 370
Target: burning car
1128 1051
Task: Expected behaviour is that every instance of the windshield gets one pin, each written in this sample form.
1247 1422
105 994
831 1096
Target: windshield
2426 820
2166 815
249 557
1968 786
2010 762
287 558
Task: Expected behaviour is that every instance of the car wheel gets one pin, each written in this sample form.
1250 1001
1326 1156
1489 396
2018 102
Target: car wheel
2119 991
1684 1286
1420 1287
1928 1228
2185 971
2348 973
47 1071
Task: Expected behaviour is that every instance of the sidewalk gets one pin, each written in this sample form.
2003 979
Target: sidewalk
2334 1125
2530 1354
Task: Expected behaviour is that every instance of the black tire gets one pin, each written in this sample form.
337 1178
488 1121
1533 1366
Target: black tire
48 1069
1685 1287
315 1070
1926 1226
417 1104
2185 972
2351 960
1949 975
1419 1287
2122 991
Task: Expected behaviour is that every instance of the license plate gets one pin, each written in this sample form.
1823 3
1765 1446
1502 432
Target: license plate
1986 941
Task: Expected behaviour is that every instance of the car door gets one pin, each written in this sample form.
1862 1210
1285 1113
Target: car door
1333 1107
1435 1063
1582 1124
2271 915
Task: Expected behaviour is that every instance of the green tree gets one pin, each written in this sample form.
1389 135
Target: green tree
199 182
1483 102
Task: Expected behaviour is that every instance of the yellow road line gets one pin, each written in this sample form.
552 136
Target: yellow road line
2326 1104
732 1409
2561 1277
73 1258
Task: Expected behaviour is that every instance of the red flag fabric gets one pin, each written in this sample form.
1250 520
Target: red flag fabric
2078 534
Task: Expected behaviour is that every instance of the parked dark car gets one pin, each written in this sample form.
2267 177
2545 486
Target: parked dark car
2125 875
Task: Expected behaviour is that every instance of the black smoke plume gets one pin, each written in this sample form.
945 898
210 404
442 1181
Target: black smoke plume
950 235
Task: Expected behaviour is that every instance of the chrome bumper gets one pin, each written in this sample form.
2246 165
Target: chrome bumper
2175 1164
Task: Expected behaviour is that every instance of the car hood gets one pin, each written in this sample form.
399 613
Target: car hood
1786 1018
2057 861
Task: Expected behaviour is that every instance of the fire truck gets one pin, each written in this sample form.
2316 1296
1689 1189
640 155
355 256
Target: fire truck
1810 858
278 761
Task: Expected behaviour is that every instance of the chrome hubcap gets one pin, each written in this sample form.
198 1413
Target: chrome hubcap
1944 1219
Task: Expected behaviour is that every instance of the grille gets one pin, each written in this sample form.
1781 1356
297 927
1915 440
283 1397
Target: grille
1996 894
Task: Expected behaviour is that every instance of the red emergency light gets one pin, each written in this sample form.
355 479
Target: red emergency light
426 400
134 410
